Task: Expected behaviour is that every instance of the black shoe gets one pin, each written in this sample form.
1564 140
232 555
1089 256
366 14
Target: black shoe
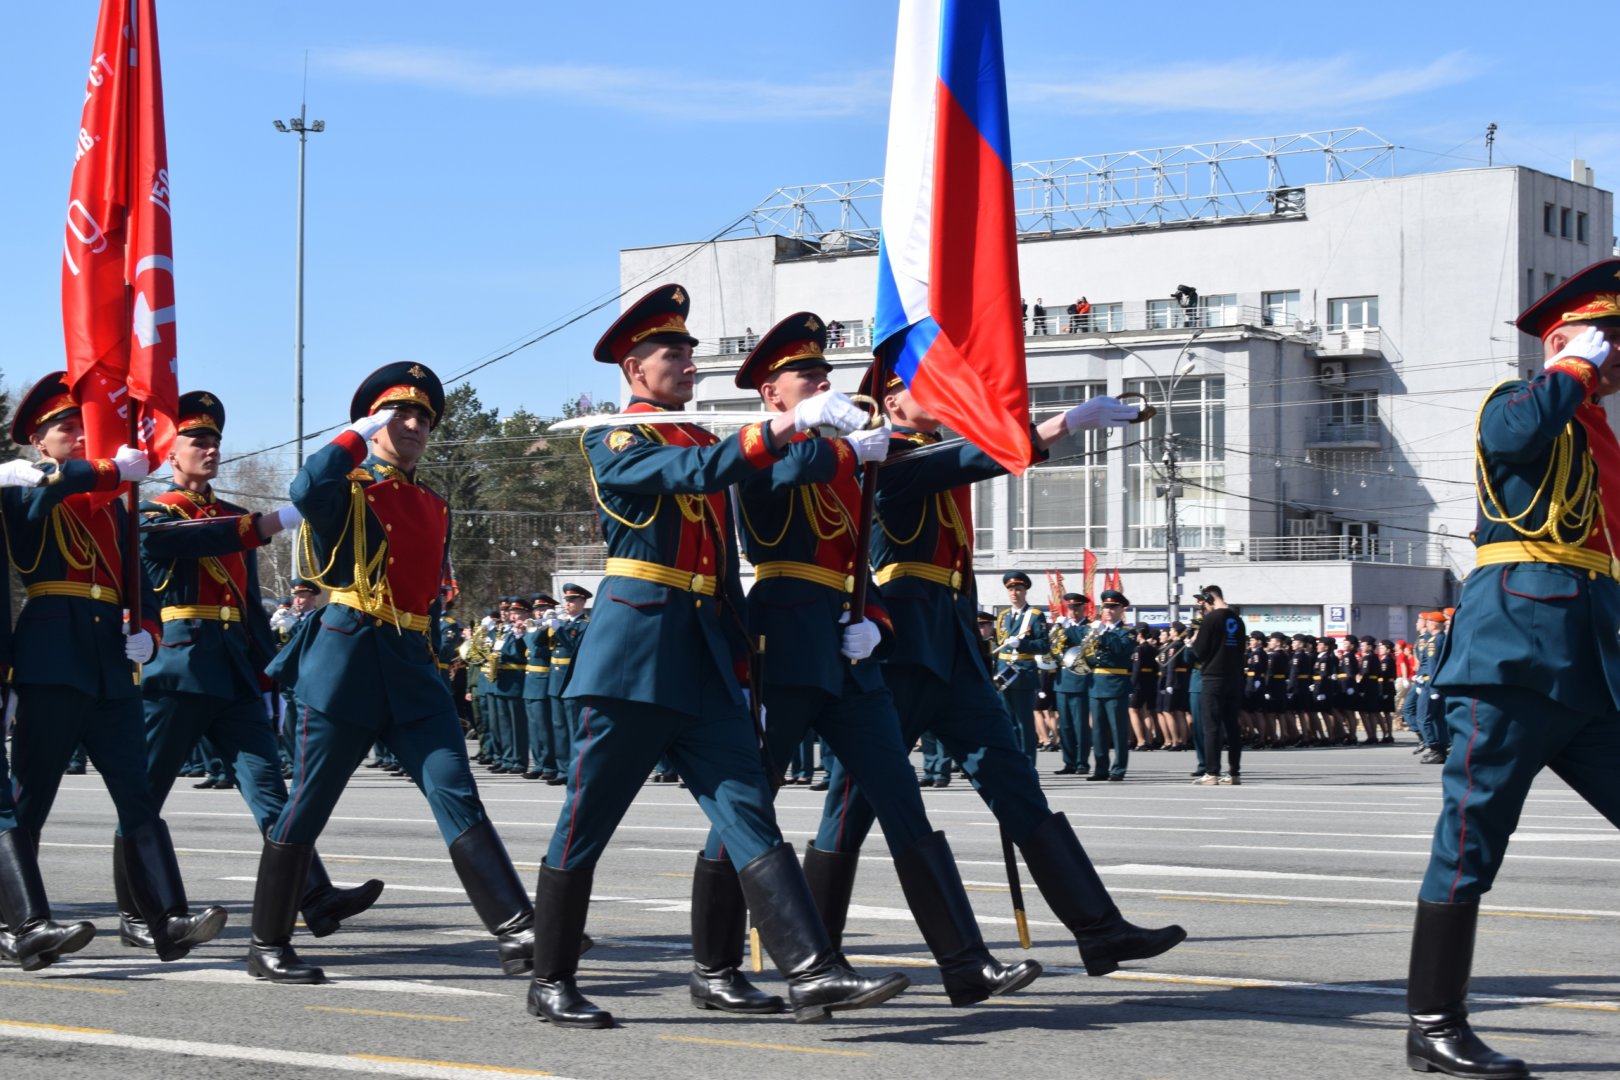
551 778
926 781
497 894
1116 776
1097 776
1067 770
36 942
719 924
283 874
372 764
1076 894
562 898
160 894
933 888
204 785
819 785
73 770
831 877
326 907
943 781
820 982
1433 757
1439 1038
532 774
133 933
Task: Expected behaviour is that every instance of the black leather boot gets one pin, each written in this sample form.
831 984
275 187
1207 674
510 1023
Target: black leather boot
133 932
325 906
831 876
160 894
562 899
933 887
37 942
1066 878
283 870
497 894
820 982
719 924
1439 1038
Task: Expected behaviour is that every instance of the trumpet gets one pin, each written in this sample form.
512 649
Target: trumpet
1075 660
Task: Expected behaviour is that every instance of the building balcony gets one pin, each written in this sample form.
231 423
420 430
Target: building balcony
1349 343
1326 433
1367 549
580 559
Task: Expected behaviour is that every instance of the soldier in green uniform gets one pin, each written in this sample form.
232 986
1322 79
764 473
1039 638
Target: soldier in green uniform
537 690
1547 557
1109 652
1021 636
665 668
511 660
566 636
200 553
364 669
1073 687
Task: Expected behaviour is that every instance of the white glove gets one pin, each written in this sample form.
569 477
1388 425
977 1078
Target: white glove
829 409
20 473
1062 620
869 446
1588 346
367 426
1101 411
1012 644
139 647
132 463
550 621
860 639
288 516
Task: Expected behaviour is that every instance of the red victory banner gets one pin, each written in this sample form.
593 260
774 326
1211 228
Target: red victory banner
118 254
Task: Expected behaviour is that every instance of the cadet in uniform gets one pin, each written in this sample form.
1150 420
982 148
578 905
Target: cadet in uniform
201 556
922 549
799 532
1073 688
511 661
1519 702
663 673
1021 636
537 691
565 640
74 678
1110 654
365 667
28 935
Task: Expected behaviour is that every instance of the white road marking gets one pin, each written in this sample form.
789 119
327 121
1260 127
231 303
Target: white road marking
234 972
1516 857
257 1055
1354 901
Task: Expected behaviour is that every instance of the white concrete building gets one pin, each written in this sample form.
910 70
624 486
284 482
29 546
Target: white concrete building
1322 389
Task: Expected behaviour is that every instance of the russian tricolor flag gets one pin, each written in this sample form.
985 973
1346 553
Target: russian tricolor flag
948 318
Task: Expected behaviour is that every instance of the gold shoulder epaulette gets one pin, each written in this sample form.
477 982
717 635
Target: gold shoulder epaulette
360 474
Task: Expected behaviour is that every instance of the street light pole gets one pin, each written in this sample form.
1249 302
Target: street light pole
1172 484
297 124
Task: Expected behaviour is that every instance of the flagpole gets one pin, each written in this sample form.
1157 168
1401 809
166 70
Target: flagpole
868 510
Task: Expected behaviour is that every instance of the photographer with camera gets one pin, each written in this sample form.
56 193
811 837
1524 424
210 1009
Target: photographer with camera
1219 650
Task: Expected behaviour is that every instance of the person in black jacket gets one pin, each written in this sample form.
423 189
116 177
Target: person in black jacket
1219 649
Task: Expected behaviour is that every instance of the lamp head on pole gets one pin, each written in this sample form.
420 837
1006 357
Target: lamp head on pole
280 126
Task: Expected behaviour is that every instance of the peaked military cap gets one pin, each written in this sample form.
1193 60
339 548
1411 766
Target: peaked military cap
1076 598
1015 577
658 316
46 400
200 412
985 616
304 585
1114 596
796 343
891 383
399 383
570 590
1590 297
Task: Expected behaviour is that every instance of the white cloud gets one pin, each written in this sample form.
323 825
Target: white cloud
660 92
1251 85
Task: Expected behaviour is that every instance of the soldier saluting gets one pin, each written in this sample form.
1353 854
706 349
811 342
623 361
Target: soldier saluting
1547 478
673 599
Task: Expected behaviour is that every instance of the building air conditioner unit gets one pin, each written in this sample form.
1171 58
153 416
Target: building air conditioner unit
1331 373
1322 522
1298 527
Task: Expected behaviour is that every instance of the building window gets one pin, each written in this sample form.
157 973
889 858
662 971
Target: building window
1549 282
1352 312
747 404
1163 314
1107 318
1220 310
1565 215
1581 228
1198 413
1352 407
1281 308
1549 219
1063 501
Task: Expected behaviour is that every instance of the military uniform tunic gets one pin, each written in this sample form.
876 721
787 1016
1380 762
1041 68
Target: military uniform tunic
537 701
1112 653
1028 624
1073 699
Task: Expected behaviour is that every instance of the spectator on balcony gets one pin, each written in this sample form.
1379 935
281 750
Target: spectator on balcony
835 334
1080 316
1040 316
1186 297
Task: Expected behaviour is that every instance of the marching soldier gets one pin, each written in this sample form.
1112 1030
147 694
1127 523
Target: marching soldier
1021 636
673 598
1110 654
537 690
565 640
510 661
799 532
364 668
204 683
1518 702
1073 687
922 549
74 678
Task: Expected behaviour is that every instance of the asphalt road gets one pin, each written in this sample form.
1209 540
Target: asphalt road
1297 891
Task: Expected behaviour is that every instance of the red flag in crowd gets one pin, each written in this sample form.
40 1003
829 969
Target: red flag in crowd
118 254
1088 577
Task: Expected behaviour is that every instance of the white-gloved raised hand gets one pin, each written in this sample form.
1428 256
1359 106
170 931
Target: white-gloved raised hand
367 426
289 516
1101 411
132 463
869 446
20 473
1589 346
1012 644
139 646
860 639
550 620
829 409
1062 620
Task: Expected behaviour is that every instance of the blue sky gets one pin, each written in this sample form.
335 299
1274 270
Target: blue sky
483 163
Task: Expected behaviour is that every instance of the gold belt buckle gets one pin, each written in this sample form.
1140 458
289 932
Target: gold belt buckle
224 614
956 579
849 583
700 583
95 592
